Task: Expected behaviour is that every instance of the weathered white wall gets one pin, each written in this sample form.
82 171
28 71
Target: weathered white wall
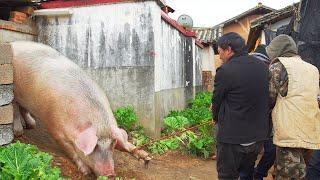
136 57
114 44
110 35
197 66
177 70
169 62
208 60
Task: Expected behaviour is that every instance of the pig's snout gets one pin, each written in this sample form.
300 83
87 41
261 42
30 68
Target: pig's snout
103 169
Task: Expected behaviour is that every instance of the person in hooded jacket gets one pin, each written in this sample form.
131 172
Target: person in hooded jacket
294 87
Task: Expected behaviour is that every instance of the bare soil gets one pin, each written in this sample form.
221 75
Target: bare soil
172 165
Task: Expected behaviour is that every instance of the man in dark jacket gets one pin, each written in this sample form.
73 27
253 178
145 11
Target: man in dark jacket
269 155
240 107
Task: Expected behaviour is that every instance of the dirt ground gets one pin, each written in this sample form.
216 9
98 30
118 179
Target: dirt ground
172 165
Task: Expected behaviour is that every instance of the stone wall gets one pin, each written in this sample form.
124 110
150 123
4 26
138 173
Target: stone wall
6 94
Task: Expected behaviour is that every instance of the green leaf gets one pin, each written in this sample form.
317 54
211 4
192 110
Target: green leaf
24 161
126 117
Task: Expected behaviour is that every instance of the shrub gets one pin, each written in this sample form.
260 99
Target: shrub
126 118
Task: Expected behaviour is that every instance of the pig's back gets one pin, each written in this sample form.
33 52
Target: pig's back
44 79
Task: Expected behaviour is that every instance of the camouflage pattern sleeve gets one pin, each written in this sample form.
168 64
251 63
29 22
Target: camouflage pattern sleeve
278 82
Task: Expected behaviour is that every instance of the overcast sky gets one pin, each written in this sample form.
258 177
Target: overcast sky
207 13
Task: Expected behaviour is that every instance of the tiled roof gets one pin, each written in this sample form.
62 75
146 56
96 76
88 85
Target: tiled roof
257 9
205 35
274 16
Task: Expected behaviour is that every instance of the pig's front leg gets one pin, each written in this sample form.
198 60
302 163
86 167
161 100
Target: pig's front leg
124 145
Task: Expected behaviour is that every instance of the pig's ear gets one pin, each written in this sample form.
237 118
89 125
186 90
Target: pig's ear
87 140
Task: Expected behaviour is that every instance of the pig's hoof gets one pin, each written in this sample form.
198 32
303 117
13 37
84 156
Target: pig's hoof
146 161
84 169
18 133
30 126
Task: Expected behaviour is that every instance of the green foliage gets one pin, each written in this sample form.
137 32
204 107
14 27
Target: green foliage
126 118
174 114
198 109
20 161
202 145
175 123
138 136
162 146
102 178
198 112
202 99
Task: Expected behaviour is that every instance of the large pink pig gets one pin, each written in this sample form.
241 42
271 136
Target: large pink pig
75 110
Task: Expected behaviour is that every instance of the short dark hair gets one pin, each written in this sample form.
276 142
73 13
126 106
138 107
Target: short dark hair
232 40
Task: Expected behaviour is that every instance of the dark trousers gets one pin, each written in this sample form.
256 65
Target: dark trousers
265 163
233 159
313 167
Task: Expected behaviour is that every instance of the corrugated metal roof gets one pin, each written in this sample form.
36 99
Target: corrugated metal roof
205 35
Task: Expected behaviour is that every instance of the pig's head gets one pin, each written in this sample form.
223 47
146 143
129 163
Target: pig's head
96 151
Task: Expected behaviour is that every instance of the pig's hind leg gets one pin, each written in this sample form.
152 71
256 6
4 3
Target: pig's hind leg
28 119
17 120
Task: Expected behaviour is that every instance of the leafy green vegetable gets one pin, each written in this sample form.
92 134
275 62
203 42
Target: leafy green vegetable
20 161
126 118
175 123
138 136
164 145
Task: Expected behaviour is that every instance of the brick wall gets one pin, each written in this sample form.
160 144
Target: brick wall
6 94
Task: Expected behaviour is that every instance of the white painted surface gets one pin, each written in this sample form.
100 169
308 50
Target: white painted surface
169 65
112 35
208 59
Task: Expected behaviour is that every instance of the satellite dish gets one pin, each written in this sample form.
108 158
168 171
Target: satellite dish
185 21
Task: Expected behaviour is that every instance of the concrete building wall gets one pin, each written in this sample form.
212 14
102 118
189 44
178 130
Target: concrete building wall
136 57
114 44
174 70
197 67
208 60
